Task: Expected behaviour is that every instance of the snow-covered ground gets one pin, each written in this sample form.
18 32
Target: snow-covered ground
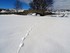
34 34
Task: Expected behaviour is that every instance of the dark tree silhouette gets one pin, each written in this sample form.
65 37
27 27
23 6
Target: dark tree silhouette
41 4
0 9
18 5
49 3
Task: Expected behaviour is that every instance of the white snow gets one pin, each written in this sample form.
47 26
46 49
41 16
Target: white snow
34 14
3 11
34 34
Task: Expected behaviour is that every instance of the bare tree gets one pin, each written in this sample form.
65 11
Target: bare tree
41 4
18 5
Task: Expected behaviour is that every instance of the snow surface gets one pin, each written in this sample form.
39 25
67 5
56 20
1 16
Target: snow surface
34 34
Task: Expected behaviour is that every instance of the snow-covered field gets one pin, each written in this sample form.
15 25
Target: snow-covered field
34 34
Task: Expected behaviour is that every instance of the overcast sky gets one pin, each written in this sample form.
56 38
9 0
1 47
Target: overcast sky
61 4
58 4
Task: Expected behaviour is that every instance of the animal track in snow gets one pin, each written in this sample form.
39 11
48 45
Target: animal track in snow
22 42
